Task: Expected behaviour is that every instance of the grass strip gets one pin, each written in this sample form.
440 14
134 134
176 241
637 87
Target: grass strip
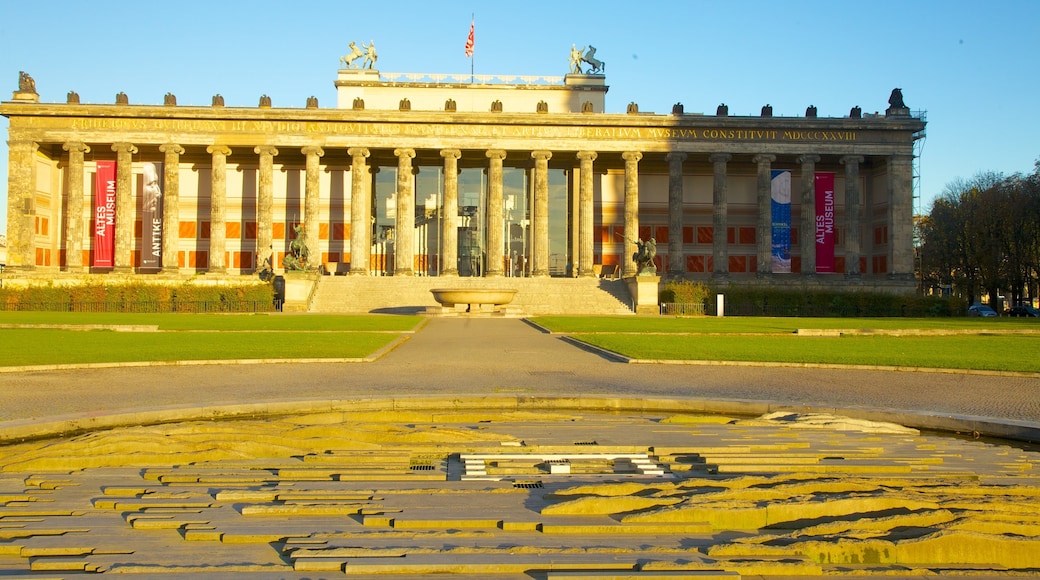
26 347
261 321
777 325
978 352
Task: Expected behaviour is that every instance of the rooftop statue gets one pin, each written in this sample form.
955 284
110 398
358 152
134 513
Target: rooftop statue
576 55
349 60
895 100
26 84
370 54
596 66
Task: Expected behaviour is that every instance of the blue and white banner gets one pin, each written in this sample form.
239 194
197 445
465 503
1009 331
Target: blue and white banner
780 186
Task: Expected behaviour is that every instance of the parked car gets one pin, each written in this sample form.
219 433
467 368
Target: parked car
981 310
1027 311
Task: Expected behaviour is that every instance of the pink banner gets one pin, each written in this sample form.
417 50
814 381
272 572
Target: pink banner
825 223
104 214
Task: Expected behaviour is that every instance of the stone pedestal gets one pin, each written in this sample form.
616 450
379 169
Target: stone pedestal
299 287
645 291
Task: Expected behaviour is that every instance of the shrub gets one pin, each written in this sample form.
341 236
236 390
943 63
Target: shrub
684 292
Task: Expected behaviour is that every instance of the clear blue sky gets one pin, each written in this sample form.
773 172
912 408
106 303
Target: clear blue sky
970 65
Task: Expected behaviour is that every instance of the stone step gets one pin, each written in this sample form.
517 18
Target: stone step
411 295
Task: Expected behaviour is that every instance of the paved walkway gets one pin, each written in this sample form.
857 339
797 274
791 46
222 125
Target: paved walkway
463 357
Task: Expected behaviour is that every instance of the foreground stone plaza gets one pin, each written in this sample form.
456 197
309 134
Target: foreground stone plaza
482 446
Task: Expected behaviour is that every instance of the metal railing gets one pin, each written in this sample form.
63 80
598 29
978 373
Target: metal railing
682 309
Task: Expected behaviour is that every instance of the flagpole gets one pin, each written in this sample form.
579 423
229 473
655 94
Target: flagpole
472 59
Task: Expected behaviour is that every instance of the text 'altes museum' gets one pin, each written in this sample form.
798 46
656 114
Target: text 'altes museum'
424 175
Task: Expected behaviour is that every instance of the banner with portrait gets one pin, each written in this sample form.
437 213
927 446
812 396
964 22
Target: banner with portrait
780 188
151 216
104 214
825 223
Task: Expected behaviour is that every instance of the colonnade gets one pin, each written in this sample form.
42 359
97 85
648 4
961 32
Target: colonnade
899 205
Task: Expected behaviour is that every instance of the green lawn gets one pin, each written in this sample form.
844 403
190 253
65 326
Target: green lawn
194 337
981 344
984 344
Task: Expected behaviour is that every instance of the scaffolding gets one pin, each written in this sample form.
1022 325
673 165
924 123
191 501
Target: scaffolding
919 139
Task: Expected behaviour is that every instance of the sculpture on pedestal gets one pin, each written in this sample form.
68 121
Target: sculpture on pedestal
576 54
348 60
895 100
370 54
587 56
26 84
644 257
296 259
596 66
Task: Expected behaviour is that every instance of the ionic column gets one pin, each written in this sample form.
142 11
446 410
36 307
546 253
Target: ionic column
852 225
218 209
628 264
265 207
676 258
124 207
540 255
404 250
171 205
807 237
900 216
312 202
360 213
764 235
21 205
74 228
720 193
449 259
495 215
585 214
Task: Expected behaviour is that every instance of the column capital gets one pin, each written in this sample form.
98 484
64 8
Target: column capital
851 159
356 152
720 157
171 148
675 156
265 150
541 155
76 147
123 147
810 158
633 156
405 152
313 150
453 153
587 155
496 154
218 150
763 158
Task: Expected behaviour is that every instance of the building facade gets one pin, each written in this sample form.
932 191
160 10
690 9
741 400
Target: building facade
432 175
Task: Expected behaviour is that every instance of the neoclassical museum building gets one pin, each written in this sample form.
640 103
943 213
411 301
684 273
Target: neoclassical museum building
427 175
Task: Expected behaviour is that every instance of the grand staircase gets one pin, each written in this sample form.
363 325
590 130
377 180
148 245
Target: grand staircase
410 295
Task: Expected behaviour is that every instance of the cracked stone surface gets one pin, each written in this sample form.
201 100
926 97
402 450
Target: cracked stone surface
399 494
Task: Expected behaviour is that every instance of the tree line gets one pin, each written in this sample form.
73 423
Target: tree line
982 238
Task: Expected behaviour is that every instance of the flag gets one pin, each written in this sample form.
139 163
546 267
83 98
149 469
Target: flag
469 41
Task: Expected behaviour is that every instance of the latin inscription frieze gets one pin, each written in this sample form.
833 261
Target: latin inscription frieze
434 130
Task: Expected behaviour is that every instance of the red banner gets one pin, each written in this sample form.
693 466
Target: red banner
825 223
104 214
151 217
